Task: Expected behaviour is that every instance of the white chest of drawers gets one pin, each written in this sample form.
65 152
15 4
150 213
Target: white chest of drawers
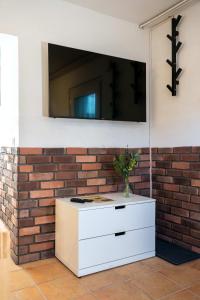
92 237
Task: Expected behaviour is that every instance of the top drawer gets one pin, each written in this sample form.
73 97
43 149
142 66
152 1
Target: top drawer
103 221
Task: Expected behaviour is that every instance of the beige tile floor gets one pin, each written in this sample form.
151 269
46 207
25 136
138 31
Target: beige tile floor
151 279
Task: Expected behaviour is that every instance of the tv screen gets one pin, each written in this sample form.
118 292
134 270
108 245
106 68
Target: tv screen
88 85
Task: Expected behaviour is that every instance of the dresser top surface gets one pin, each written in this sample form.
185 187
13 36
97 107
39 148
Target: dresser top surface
116 199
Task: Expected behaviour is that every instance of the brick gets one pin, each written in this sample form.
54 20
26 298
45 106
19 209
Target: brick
64 159
29 231
22 177
189 190
25 240
27 204
180 212
28 186
165 150
45 237
189 157
25 168
64 167
45 167
48 253
195 149
97 151
181 165
164 179
86 158
93 166
193 224
25 222
195 166
172 218
54 151
65 175
144 164
47 202
174 172
23 213
41 211
41 194
182 149
195 215
40 176
30 151
87 190
181 197
180 228
134 179
52 184
158 171
171 187
46 228
196 182
173 202
65 192
37 159
96 181
196 249
76 183
44 220
142 185
41 246
107 188
163 164
163 208
29 258
195 199
195 233
88 174
191 174
182 181
191 240
76 151
105 158
191 206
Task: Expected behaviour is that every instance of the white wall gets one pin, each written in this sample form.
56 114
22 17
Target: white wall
9 127
57 21
175 121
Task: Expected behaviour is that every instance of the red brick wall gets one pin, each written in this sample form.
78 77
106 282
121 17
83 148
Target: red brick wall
176 186
8 193
45 173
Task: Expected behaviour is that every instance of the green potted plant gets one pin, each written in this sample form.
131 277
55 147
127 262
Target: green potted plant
123 165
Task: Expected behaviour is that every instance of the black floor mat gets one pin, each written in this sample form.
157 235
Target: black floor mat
173 253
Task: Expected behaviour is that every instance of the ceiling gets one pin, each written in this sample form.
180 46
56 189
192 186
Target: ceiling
136 11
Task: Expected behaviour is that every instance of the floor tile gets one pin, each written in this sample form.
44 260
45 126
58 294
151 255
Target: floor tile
183 295
156 263
47 272
195 264
195 288
124 291
19 280
155 284
64 288
39 263
101 279
31 293
128 271
183 275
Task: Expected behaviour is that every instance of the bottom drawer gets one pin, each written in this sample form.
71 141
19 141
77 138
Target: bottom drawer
108 248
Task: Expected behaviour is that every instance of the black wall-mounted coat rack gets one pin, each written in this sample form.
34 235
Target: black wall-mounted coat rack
175 47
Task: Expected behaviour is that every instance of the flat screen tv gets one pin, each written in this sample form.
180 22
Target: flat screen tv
88 85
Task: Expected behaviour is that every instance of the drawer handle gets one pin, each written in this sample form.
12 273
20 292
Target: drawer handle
120 233
120 207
